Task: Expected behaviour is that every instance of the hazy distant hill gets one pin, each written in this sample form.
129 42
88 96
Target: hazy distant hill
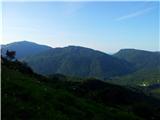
24 48
140 58
78 61
147 66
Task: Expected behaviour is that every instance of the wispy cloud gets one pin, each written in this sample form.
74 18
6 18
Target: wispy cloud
134 14
72 7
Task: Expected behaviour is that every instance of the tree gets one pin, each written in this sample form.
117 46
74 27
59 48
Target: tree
10 54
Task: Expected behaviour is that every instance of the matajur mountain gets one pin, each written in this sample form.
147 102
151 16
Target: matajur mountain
24 48
83 62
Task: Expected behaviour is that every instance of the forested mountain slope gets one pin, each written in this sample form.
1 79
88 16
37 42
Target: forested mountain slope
78 61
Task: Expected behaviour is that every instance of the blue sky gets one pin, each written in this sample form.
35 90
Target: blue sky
105 26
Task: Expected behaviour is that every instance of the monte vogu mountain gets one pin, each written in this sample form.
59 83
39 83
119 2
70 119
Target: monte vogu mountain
80 61
140 58
147 67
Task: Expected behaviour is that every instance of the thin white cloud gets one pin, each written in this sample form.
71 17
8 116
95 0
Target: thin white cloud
72 7
135 14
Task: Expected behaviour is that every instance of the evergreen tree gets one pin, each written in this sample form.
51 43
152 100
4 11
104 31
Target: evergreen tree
10 55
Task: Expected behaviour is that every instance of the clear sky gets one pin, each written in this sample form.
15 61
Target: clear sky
105 26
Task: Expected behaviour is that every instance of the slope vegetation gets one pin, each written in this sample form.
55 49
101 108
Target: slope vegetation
28 96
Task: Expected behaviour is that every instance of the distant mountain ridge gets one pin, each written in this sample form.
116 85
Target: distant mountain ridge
24 48
140 58
86 62
78 61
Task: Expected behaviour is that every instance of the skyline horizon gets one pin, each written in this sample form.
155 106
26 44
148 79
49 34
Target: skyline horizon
105 26
107 52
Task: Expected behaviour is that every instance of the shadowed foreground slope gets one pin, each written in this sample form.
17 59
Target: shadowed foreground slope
28 96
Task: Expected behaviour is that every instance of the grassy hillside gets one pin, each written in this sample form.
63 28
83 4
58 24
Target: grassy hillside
28 96
156 92
139 78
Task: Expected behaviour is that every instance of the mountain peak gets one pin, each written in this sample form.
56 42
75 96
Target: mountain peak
134 50
23 42
24 48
